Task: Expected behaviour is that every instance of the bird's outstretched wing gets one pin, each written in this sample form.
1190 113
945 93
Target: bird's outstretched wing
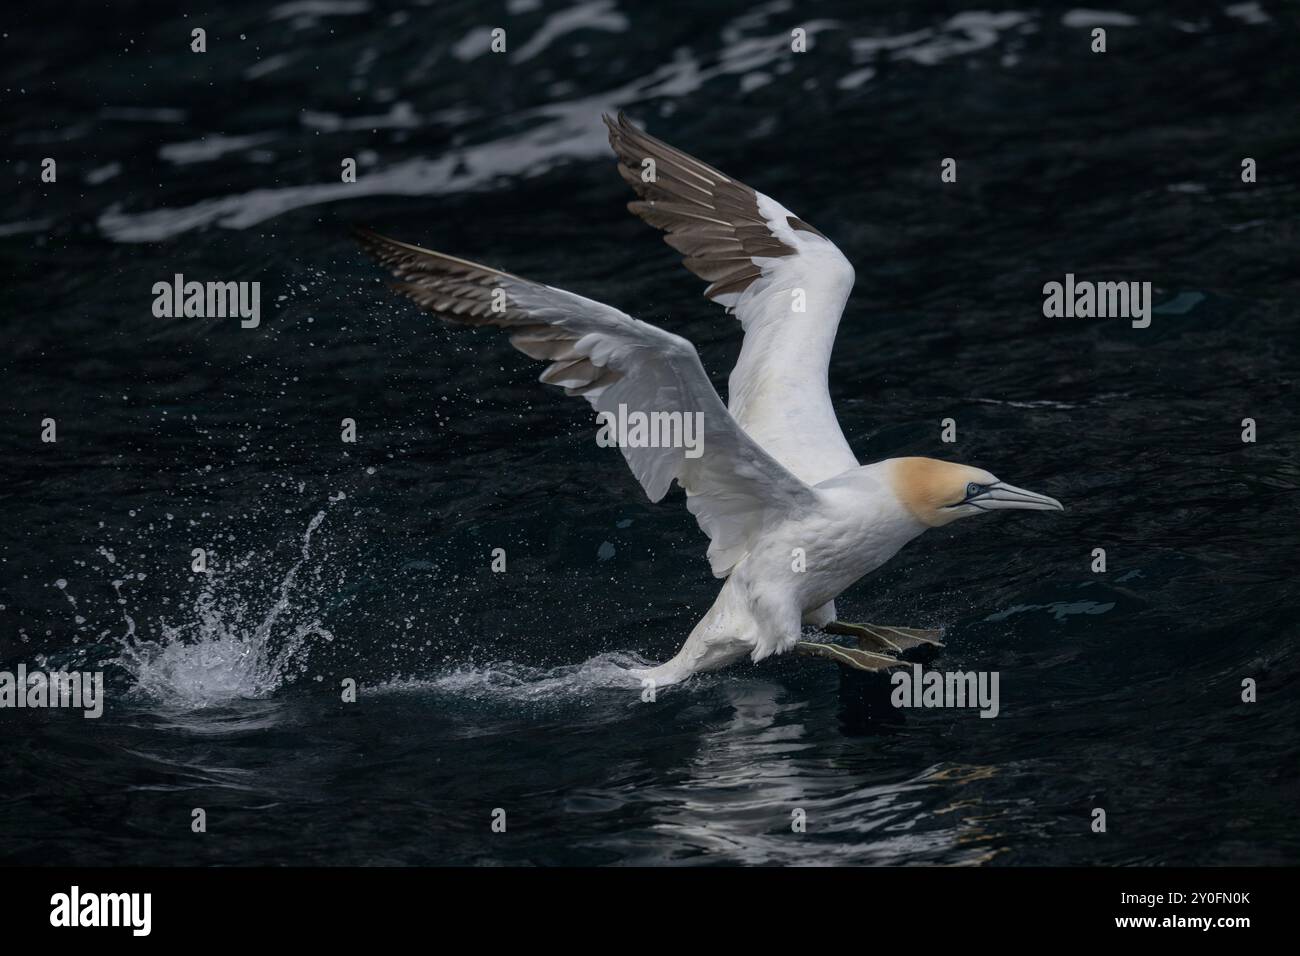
784 280
734 487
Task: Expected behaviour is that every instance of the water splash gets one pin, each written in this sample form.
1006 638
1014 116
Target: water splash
510 682
225 651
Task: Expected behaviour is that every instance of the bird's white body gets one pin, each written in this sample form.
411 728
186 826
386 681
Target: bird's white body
859 525
792 518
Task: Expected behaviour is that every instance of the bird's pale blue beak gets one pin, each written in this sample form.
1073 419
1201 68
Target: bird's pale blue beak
1002 495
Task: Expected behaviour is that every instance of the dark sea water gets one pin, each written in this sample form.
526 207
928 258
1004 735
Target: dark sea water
371 561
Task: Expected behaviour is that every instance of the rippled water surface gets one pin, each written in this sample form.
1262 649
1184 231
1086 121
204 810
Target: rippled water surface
370 562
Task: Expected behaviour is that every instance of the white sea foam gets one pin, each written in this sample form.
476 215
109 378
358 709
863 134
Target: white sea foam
507 681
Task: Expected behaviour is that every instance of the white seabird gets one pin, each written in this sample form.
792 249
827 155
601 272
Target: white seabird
792 518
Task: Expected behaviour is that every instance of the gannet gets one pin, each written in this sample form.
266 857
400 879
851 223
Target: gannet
792 518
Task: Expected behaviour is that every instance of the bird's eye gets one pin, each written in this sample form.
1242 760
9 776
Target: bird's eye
973 489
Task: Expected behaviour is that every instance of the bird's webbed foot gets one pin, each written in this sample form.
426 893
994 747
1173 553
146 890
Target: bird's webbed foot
886 638
848 656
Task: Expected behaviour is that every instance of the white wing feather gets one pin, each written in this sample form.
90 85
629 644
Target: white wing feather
763 263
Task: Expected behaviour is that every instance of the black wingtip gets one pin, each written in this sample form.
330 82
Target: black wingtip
374 245
612 126
368 239
363 234
619 123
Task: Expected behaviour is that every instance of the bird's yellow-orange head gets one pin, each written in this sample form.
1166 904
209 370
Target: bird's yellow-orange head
937 492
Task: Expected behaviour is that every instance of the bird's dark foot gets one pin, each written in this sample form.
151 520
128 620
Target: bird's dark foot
887 639
849 656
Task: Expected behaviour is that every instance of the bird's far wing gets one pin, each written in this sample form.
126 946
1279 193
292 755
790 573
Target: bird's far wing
613 360
784 280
